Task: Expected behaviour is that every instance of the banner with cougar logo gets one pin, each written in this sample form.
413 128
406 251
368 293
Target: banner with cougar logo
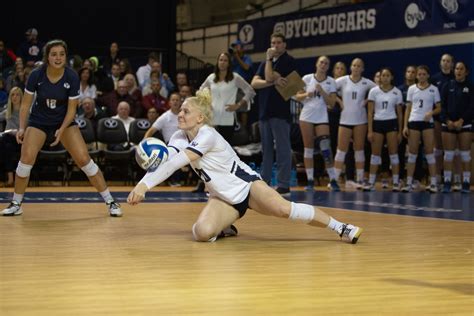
360 22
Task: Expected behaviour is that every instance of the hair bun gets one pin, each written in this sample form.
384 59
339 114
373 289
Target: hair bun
204 96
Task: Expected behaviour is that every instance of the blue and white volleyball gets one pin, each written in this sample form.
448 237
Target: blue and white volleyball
150 153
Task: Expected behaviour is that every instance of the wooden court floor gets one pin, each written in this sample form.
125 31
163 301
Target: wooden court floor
72 259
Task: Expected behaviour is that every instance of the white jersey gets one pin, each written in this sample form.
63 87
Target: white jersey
225 175
167 123
353 97
385 103
315 109
422 101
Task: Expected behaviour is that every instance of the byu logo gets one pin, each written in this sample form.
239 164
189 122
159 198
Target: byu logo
413 15
143 124
451 6
246 34
111 123
66 85
81 122
279 28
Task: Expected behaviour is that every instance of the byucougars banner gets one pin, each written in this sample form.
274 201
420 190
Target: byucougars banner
361 22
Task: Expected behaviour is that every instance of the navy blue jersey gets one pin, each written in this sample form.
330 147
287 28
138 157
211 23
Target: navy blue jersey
440 79
457 101
51 101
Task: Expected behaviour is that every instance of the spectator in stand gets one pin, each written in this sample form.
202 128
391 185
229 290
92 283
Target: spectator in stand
88 109
224 85
113 57
181 80
152 115
154 75
76 62
457 113
241 62
115 74
17 78
155 100
103 82
3 93
7 59
31 50
87 88
185 92
123 114
134 91
9 148
125 68
274 112
143 73
111 100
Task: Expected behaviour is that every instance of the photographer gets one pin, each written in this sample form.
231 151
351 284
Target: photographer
241 63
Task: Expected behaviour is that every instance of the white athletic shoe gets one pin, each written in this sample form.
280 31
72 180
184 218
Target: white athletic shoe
114 209
350 233
13 209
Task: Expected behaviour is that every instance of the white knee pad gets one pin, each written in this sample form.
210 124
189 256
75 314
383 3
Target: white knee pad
394 160
465 156
196 237
448 155
340 156
437 152
411 158
375 160
23 170
90 169
300 212
430 158
308 153
359 156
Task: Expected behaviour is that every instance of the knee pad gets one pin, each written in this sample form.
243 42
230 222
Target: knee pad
394 160
437 152
325 147
430 158
465 156
412 158
308 153
91 169
340 155
23 170
448 155
359 156
300 212
375 160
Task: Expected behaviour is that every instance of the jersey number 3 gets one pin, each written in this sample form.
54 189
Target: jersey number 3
51 103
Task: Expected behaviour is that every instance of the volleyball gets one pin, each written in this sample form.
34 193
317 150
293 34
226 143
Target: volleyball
150 153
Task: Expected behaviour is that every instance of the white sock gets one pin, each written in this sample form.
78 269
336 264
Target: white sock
334 224
409 180
106 195
18 197
447 176
331 173
371 178
310 174
395 179
360 175
466 176
433 181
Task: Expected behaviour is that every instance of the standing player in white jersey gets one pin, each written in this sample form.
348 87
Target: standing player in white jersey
423 101
385 120
52 121
233 186
318 96
353 123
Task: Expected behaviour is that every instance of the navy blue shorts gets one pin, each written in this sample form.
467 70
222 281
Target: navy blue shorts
49 130
384 127
242 206
465 128
420 125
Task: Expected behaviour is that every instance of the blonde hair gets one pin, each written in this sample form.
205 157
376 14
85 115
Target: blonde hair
203 103
10 104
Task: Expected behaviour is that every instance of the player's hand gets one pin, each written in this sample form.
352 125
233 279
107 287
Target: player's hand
281 82
232 107
370 137
405 132
19 136
137 194
58 135
428 116
270 53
